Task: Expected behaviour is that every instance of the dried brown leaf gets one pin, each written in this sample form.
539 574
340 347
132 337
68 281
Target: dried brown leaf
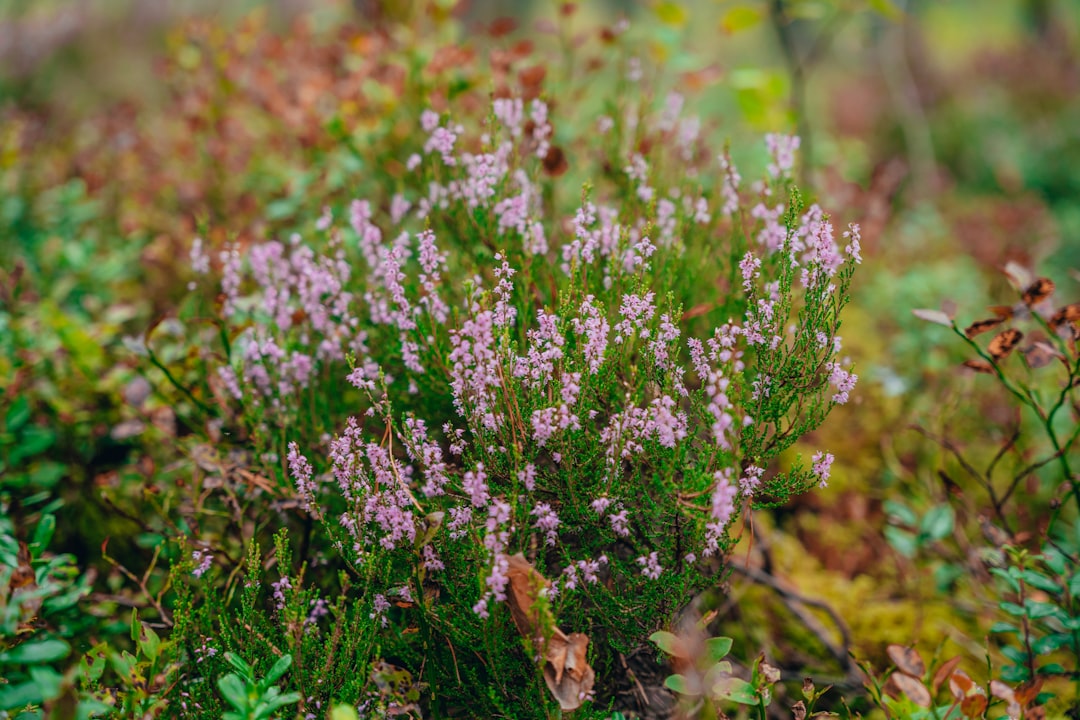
1041 354
555 161
566 667
525 585
1019 276
973 706
960 684
934 316
501 26
1038 291
1026 693
911 687
1000 690
1002 311
980 326
1069 313
907 660
979 366
567 673
944 672
1004 342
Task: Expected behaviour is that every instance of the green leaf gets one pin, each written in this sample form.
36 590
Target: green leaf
1050 643
678 683
279 669
1051 669
1003 627
343 712
886 9
901 540
670 13
900 512
18 414
1012 582
736 690
938 522
716 648
1038 610
740 17
1040 581
666 641
1014 654
36 653
234 691
1015 673
43 533
150 643
1012 609
238 662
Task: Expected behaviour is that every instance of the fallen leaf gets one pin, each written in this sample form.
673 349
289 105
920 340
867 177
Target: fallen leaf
525 586
907 660
1004 342
567 672
980 326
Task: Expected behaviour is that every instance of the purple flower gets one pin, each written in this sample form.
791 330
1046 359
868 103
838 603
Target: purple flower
822 467
547 521
650 566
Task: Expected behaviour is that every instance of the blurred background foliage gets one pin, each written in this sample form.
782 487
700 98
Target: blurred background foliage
127 128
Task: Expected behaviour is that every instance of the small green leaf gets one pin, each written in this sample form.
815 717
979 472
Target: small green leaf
678 683
43 533
1015 673
150 643
1038 610
279 669
17 414
233 690
1040 581
1012 608
938 522
1003 627
36 653
666 641
1014 654
736 690
716 648
899 512
1050 643
901 540
670 13
1012 582
1051 669
740 17
343 712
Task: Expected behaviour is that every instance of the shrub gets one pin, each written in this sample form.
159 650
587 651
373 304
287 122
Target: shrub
603 379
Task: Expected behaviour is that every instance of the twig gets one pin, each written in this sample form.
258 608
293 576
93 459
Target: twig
793 601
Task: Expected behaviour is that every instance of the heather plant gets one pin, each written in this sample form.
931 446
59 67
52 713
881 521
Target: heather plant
594 351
